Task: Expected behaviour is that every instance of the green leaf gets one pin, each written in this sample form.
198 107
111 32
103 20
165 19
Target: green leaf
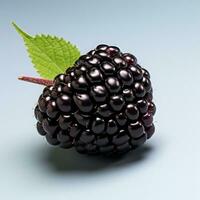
49 54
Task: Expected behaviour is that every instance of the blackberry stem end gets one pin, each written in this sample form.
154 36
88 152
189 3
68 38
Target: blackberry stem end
39 81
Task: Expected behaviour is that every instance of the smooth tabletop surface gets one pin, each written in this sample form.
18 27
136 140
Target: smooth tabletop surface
165 37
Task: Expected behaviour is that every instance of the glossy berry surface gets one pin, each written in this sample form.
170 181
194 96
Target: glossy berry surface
101 105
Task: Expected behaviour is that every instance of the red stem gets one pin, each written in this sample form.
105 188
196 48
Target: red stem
39 81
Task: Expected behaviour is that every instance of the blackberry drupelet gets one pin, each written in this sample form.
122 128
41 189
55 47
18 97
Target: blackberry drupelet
102 105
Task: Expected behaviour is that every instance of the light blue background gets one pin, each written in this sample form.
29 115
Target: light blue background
165 37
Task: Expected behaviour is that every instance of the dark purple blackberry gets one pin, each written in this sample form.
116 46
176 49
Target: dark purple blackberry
102 105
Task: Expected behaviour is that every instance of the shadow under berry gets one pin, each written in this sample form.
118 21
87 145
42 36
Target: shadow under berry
66 161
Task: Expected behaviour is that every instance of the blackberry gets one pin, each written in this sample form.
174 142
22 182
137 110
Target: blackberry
101 105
